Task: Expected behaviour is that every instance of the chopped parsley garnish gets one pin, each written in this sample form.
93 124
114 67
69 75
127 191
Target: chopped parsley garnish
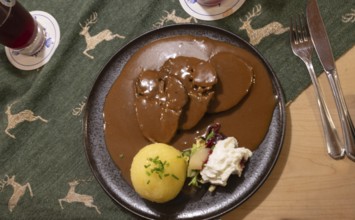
175 177
158 167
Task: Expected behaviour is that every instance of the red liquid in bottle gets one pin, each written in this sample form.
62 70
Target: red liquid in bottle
19 29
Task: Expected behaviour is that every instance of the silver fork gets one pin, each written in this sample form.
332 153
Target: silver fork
302 47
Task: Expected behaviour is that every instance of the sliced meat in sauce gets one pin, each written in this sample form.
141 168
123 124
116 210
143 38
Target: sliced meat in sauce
235 78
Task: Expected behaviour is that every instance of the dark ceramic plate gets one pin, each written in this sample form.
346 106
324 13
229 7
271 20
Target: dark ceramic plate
206 205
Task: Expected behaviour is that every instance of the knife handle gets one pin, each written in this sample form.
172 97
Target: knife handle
344 116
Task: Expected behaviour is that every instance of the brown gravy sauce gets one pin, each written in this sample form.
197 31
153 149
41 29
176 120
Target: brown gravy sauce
248 121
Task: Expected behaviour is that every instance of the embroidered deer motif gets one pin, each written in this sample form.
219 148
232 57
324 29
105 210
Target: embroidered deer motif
18 190
92 41
349 17
256 35
14 119
78 110
72 196
172 17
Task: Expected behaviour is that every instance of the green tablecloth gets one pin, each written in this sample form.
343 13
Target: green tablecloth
48 154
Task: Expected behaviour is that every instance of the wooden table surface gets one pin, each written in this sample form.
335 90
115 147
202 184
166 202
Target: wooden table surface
306 183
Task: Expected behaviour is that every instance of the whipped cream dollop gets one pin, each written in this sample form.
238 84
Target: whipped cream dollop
226 159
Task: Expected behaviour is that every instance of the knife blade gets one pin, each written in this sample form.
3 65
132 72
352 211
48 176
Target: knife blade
319 35
323 49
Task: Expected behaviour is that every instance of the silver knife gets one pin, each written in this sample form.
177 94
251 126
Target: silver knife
324 51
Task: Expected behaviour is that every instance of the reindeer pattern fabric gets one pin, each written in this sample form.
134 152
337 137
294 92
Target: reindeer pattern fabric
42 158
256 35
92 41
349 17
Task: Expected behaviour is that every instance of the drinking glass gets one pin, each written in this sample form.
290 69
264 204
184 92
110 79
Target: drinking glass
19 30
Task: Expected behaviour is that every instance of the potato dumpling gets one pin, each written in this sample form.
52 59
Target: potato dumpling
158 172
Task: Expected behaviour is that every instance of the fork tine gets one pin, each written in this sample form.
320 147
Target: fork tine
303 28
291 31
300 28
293 35
307 35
